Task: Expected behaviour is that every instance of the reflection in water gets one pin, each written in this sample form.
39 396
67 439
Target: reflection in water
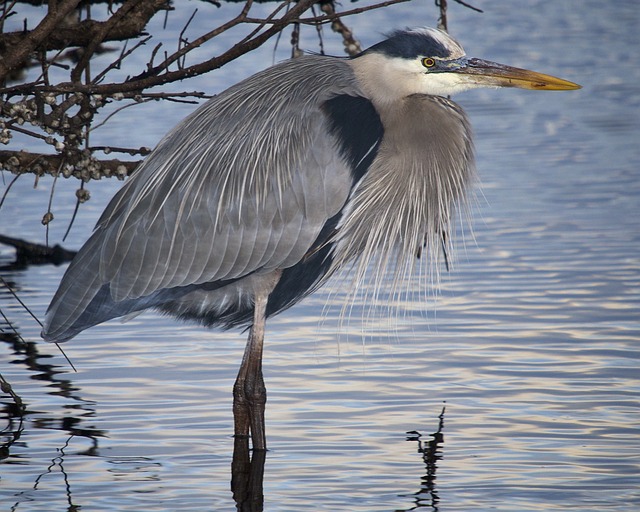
16 413
247 472
13 408
57 466
431 451
247 475
32 360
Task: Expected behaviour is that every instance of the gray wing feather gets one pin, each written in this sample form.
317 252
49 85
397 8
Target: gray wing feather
244 184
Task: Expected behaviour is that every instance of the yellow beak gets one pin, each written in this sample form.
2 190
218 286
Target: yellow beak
492 74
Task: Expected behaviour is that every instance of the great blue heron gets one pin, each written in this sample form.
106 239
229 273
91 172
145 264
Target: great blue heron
261 194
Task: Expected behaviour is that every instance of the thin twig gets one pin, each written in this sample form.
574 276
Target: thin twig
15 296
6 191
49 214
164 65
117 111
468 6
182 39
73 215
118 62
128 151
327 18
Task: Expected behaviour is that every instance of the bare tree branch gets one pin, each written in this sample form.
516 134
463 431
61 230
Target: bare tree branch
33 39
82 33
86 168
61 114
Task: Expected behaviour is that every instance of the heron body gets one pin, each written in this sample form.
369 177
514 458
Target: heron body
253 201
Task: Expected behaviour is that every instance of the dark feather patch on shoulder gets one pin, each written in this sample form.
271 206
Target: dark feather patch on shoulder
357 125
354 121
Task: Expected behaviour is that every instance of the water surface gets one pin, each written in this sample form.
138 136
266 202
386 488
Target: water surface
531 343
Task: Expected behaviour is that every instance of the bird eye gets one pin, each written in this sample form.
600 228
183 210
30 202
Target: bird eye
428 62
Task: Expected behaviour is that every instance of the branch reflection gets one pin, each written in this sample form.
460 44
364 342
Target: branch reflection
16 413
431 451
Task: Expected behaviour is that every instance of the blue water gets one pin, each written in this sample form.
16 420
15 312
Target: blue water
531 343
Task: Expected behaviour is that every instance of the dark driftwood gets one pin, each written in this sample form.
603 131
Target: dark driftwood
28 253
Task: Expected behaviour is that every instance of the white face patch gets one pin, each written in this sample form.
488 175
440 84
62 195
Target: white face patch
445 84
386 79
415 79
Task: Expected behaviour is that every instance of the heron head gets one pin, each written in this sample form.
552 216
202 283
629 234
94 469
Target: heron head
429 61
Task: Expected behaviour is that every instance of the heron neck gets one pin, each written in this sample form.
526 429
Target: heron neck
383 82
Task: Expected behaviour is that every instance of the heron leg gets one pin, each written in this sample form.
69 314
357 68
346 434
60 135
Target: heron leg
249 391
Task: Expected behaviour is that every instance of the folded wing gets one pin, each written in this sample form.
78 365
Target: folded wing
242 186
